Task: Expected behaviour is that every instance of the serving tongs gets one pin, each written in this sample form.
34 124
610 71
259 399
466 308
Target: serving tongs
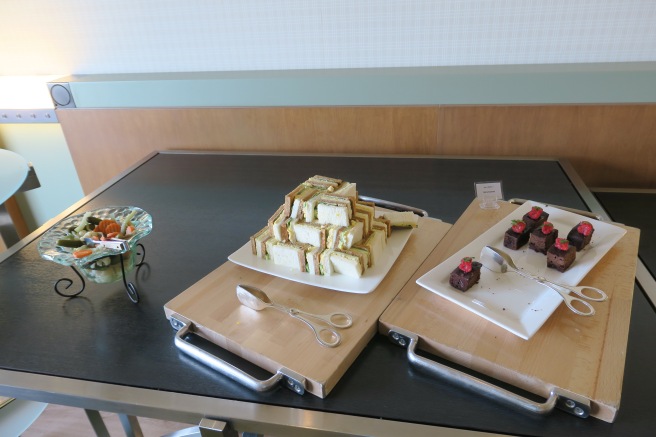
499 261
114 243
257 299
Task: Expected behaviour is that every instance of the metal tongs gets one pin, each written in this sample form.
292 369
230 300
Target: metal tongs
114 243
499 261
256 299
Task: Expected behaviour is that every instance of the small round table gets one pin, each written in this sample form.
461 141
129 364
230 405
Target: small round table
13 172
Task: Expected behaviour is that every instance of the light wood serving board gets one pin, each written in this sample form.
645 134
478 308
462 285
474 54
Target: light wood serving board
271 339
583 355
4 401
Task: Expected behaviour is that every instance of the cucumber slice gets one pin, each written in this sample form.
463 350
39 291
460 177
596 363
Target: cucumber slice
70 243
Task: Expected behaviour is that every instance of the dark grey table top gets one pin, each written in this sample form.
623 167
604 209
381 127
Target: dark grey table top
204 207
637 209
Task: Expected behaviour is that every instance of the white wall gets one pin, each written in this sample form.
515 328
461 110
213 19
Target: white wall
121 36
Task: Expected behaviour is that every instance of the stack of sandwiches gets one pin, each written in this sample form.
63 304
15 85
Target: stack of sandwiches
324 229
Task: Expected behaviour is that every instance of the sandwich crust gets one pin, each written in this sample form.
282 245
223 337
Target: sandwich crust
258 242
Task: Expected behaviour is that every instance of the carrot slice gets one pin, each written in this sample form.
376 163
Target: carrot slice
82 253
112 227
101 227
112 235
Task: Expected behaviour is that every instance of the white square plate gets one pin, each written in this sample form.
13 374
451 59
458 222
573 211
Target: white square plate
362 285
518 304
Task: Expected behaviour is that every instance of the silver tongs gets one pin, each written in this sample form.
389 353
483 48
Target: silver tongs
499 261
257 299
115 243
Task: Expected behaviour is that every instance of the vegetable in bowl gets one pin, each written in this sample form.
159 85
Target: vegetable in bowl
65 244
108 269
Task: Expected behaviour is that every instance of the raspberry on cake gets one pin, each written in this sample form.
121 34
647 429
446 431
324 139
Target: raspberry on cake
543 237
466 274
517 235
580 235
535 217
561 255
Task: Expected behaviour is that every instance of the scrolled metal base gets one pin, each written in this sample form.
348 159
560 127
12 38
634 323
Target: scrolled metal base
68 283
130 288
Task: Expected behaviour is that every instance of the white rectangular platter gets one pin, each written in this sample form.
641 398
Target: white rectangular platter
518 304
362 285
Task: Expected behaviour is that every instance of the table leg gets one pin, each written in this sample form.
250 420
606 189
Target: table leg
130 425
97 423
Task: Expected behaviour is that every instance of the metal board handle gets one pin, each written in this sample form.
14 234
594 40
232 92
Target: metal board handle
569 402
289 379
394 206
564 208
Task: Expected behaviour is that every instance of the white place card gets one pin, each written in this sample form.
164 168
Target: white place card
488 193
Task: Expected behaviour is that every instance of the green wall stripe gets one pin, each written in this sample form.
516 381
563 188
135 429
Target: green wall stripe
529 84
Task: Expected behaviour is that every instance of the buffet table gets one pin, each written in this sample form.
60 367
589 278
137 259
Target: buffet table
101 351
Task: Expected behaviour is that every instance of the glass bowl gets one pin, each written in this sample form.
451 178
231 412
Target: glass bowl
103 266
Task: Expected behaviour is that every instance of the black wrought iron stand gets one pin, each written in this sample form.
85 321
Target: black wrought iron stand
133 294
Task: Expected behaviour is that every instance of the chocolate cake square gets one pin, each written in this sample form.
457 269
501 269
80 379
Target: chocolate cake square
560 259
515 240
541 242
464 281
532 223
578 239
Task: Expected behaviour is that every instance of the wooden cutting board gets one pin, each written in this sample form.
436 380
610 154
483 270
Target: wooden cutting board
4 401
272 339
584 355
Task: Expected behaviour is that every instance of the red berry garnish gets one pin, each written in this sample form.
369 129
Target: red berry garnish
561 244
547 228
466 264
535 212
518 226
585 228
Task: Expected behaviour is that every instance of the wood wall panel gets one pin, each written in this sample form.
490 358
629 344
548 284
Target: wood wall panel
609 145
103 142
